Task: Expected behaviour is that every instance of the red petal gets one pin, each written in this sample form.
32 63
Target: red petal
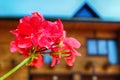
74 43
24 42
37 62
13 47
53 61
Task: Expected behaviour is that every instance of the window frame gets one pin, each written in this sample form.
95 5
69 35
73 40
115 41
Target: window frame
97 39
99 55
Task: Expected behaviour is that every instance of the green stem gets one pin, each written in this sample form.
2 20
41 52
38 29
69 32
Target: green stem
15 68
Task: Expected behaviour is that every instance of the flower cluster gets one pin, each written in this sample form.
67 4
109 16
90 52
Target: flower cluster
35 34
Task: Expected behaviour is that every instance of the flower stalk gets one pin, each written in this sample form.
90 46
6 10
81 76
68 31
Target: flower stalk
15 68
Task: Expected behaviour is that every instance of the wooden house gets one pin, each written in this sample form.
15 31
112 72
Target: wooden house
92 65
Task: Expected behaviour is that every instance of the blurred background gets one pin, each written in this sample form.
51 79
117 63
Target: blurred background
95 23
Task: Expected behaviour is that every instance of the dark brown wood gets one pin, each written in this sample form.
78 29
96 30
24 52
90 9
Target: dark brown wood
51 77
92 25
118 38
74 25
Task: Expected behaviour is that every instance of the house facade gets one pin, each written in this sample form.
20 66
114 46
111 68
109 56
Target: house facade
100 50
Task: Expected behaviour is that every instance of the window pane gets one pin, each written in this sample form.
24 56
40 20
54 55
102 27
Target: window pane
92 49
47 59
112 47
102 47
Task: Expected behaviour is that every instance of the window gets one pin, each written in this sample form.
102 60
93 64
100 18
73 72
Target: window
100 47
47 57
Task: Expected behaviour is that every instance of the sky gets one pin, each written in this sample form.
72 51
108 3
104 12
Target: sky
106 9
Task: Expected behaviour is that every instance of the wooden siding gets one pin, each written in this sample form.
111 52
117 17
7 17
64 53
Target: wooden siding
82 30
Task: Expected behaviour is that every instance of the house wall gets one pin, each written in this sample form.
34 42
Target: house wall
83 65
9 60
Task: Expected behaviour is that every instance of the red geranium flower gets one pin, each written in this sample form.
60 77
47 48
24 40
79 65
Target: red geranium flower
67 50
70 44
34 35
